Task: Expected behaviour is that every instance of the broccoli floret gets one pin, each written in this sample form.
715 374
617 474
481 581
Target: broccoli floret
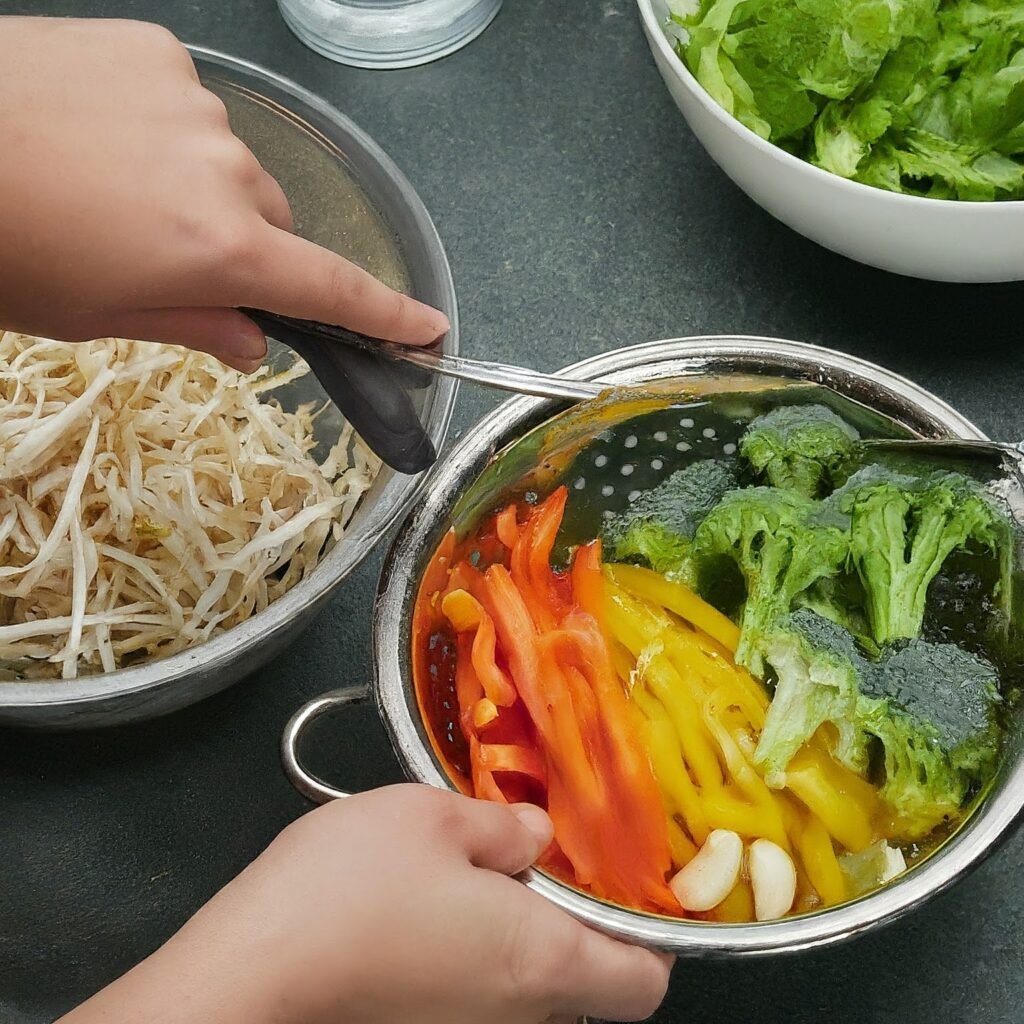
840 599
818 670
781 543
799 447
658 527
902 529
931 707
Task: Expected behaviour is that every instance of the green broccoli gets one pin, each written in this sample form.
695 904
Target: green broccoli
931 708
781 543
658 528
902 529
799 447
818 668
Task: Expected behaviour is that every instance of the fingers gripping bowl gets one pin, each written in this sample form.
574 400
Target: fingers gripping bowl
470 482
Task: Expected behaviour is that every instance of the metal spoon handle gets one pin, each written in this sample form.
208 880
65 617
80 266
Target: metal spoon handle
492 375
496 375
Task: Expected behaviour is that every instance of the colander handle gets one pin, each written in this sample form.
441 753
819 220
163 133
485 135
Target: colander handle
305 781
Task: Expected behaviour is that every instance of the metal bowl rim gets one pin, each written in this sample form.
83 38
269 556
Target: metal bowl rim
224 649
396 702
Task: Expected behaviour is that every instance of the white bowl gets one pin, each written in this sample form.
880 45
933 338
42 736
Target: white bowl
935 239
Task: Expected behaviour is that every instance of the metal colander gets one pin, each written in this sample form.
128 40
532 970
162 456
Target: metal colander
519 447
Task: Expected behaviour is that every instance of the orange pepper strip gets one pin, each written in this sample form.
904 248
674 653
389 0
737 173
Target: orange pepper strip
466 615
468 688
510 757
485 786
583 799
531 562
574 839
631 769
469 691
507 527
599 785
487 758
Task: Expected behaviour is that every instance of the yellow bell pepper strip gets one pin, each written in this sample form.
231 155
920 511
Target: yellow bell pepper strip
737 907
819 859
750 784
484 713
667 759
641 636
683 848
833 802
677 598
842 801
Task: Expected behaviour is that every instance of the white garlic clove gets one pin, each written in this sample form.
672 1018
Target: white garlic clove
773 879
711 875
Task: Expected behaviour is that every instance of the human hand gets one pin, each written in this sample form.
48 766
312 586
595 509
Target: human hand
128 208
393 906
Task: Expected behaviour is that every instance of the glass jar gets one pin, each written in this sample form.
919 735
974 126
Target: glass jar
387 33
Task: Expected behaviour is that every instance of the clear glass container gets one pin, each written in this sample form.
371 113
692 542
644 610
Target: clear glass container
387 33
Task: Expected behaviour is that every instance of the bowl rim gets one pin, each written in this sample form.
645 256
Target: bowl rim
399 491
958 207
396 702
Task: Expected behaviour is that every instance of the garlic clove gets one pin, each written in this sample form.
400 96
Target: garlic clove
711 875
773 879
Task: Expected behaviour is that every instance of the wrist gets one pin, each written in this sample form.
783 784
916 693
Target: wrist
195 978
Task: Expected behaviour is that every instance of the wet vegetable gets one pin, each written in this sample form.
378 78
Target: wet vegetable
792 747
918 96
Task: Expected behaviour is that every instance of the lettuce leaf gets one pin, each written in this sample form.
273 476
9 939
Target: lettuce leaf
924 97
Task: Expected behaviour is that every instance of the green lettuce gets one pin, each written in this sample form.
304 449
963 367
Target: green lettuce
924 97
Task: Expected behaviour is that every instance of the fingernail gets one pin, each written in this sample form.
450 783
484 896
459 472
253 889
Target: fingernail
248 346
248 365
535 821
440 325
244 342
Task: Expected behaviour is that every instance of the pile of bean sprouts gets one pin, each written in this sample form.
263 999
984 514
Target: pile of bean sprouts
150 498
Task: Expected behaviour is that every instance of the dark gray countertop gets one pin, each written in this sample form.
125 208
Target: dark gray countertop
579 215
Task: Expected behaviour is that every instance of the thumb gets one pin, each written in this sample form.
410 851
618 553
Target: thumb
507 839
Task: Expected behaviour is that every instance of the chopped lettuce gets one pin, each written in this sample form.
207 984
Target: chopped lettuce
924 97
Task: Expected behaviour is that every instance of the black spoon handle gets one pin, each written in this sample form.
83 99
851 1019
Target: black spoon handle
371 390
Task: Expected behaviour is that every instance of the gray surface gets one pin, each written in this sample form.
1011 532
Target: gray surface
579 214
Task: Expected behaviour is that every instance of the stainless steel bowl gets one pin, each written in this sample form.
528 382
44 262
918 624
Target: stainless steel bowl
347 195
707 359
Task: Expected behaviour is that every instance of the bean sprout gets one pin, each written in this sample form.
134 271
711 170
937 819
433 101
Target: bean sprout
151 498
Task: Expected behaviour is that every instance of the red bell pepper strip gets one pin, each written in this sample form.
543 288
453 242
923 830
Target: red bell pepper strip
562 732
531 563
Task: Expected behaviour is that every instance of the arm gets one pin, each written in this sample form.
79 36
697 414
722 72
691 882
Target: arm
393 906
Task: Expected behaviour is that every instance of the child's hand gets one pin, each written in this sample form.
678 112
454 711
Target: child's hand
127 206
392 907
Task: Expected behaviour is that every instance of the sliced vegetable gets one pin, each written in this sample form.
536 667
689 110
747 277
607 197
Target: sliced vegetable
530 649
